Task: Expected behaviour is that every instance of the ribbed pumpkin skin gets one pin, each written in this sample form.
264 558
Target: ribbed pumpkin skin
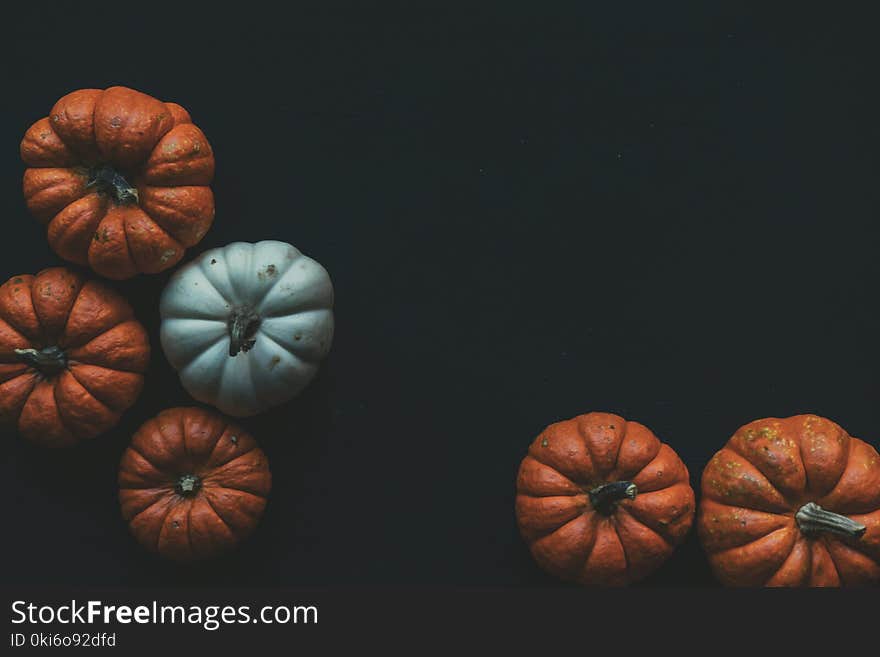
280 297
165 160
753 487
571 539
100 375
216 514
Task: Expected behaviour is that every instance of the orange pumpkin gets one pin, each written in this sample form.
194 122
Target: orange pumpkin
192 485
72 356
792 502
120 179
601 501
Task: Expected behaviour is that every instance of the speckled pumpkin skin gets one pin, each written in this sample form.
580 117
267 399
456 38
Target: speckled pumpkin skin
106 348
753 487
157 149
569 538
229 502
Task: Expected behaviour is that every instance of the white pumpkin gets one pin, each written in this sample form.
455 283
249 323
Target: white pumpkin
246 325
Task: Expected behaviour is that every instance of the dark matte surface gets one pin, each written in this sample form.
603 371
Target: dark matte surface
526 215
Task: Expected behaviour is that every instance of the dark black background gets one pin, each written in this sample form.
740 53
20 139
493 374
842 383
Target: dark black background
528 213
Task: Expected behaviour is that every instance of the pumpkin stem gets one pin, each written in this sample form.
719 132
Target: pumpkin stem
243 324
813 519
48 361
188 485
109 181
605 497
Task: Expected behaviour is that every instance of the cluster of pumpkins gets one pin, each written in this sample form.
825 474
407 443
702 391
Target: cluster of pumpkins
121 181
786 502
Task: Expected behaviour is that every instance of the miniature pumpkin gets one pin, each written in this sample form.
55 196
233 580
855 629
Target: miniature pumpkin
792 502
247 324
72 356
192 485
120 179
601 501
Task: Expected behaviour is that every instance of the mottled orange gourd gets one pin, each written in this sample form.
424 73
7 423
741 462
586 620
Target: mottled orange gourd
601 501
72 357
792 502
120 179
192 485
